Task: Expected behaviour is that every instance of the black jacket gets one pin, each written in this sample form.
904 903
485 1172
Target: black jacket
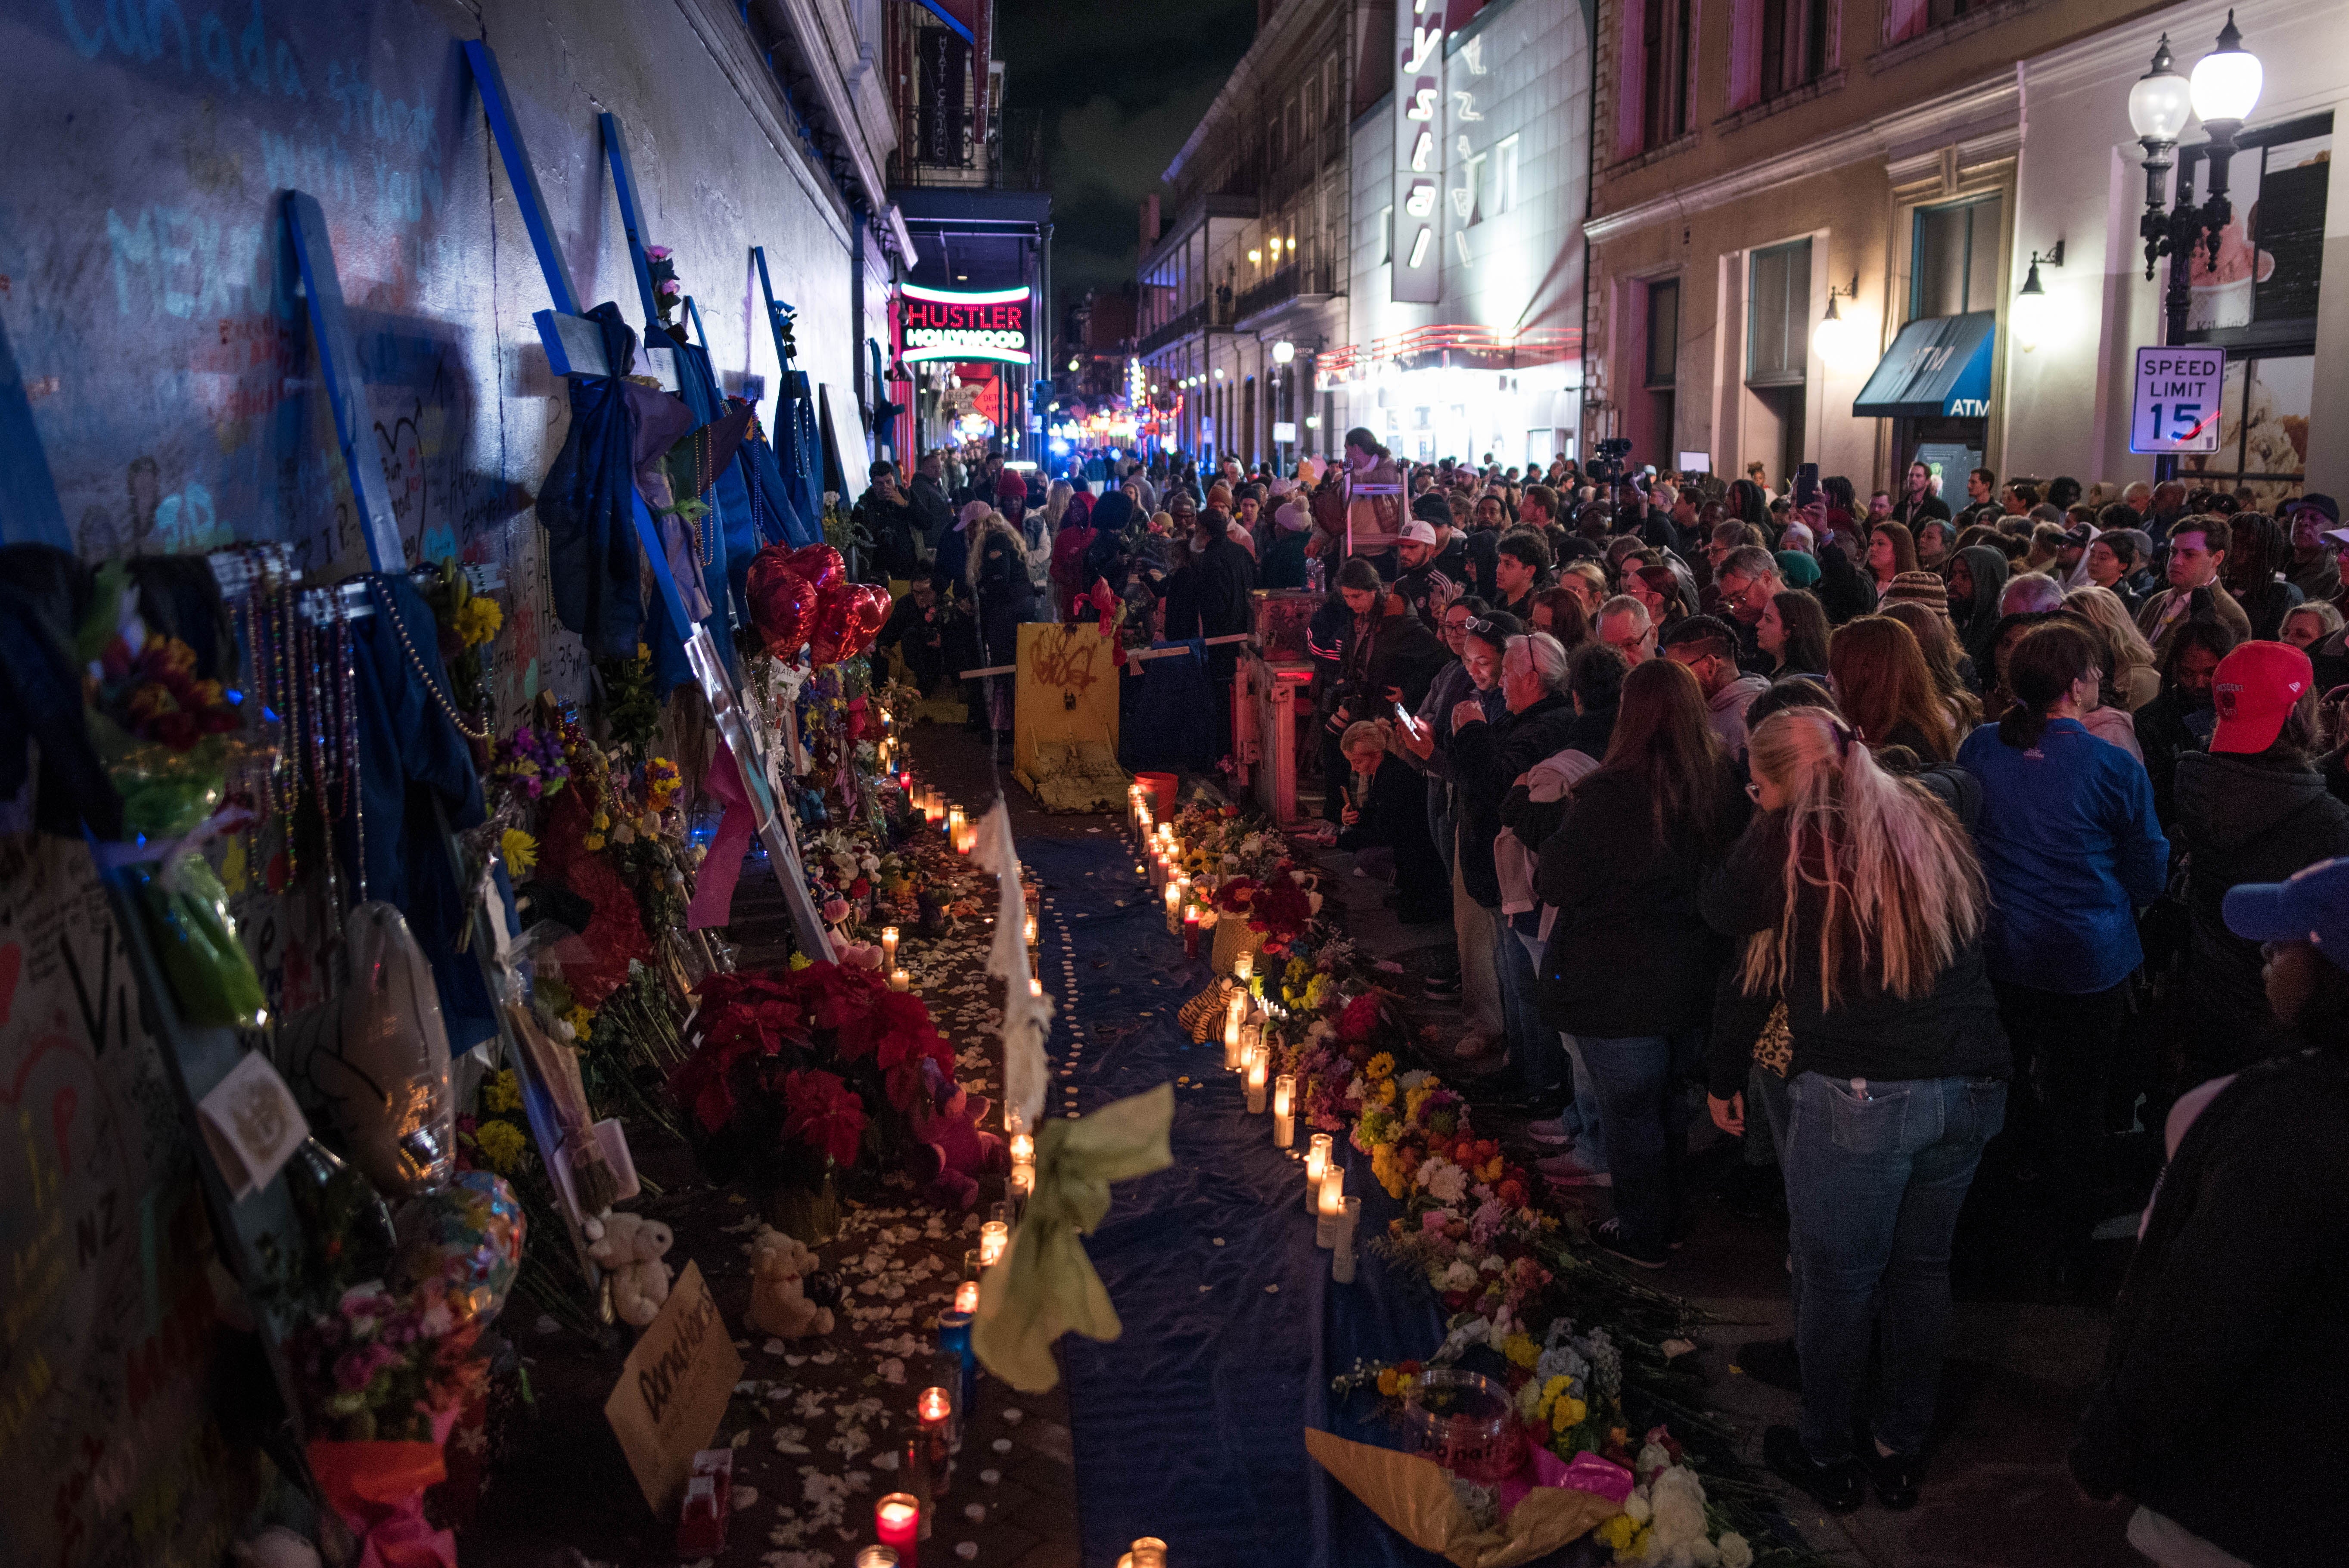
931 511
2224 1403
2244 819
1534 821
1209 598
1631 953
1953 1029
1487 760
1394 815
2167 730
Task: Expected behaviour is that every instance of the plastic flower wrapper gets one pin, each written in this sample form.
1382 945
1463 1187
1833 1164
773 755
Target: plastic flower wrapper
187 917
1416 1497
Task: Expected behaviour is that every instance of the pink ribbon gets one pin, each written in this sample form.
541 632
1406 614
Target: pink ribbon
713 885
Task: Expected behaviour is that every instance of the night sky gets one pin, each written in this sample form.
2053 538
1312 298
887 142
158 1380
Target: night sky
1121 83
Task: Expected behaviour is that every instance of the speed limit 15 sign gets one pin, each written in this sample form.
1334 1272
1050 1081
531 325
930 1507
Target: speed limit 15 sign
2176 408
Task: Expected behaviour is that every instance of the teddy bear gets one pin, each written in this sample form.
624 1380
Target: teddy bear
951 1151
629 1247
780 1267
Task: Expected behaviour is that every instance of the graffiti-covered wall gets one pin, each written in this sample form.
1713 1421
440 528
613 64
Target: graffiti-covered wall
149 291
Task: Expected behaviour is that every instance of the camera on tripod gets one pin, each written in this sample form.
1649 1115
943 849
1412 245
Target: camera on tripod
1606 466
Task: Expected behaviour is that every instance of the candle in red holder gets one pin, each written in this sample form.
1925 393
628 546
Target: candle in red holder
935 1408
1191 932
966 1297
898 1520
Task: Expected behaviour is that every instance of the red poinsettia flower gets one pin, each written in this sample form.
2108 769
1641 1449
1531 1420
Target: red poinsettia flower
822 1112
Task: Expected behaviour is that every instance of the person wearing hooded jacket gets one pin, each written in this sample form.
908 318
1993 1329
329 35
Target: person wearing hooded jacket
1486 761
2231 1335
2251 809
1977 578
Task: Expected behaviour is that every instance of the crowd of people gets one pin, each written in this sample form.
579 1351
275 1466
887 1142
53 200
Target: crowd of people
1912 844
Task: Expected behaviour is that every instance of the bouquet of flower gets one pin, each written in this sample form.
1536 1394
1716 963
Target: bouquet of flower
384 1368
532 763
669 292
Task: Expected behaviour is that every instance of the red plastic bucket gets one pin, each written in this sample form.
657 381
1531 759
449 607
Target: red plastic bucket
1162 787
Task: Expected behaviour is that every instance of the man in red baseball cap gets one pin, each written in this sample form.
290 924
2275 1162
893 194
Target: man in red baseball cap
2253 810
2256 688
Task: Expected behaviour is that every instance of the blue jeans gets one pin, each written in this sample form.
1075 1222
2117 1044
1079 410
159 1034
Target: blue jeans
1645 1117
1581 1115
1533 1045
1876 1173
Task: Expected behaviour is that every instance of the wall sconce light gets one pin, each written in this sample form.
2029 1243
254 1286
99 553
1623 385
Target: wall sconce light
2027 318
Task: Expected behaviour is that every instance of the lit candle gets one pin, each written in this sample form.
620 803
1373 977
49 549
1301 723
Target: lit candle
898 1520
900 981
1332 1212
1255 1080
1149 1553
966 1297
1317 1161
1284 1110
1342 1256
1191 932
1023 1148
880 1557
1232 1033
889 945
1023 1181
1244 966
935 1408
1174 906
1031 931
993 1237
1035 986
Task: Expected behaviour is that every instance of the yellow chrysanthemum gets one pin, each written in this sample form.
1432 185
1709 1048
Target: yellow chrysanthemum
1566 1414
1521 1350
521 852
479 621
502 1092
582 1022
501 1145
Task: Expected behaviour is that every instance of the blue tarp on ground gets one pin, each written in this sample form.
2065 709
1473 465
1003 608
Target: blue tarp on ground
1191 1426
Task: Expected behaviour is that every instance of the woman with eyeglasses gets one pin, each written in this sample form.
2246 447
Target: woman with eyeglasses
2071 848
1861 907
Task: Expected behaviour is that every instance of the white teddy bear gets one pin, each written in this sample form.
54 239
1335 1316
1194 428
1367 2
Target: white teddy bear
630 1247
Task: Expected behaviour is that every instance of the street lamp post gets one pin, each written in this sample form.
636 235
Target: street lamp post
2222 91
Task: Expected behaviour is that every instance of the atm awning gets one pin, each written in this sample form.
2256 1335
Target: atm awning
1937 368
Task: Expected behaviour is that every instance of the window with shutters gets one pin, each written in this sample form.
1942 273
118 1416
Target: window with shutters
1665 38
1777 315
1663 332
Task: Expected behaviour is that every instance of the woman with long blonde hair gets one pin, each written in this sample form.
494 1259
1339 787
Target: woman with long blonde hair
1861 907
2133 679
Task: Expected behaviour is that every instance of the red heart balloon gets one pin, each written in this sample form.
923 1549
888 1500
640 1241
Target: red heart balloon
820 564
868 609
783 603
828 636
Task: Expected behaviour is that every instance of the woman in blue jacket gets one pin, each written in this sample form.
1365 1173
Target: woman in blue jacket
2071 848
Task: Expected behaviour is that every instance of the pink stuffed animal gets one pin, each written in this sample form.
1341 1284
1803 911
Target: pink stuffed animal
954 1151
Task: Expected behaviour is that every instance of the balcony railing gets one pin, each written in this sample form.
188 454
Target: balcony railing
1012 160
1209 313
1310 277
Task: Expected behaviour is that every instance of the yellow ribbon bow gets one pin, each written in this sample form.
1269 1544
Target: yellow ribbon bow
1044 1285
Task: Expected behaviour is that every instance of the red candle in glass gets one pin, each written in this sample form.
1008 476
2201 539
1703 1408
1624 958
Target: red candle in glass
966 1297
898 1520
935 1408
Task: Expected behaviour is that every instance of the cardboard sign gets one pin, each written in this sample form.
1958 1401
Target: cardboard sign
673 1391
2176 408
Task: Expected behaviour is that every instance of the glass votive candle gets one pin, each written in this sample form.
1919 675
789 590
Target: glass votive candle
1149 1553
934 1407
1317 1161
1244 966
1342 1256
966 1297
993 1237
1255 1080
1174 906
1232 1026
900 981
1191 932
897 1520
1023 1181
1332 1212
879 1557
1023 1148
889 945
1284 1110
